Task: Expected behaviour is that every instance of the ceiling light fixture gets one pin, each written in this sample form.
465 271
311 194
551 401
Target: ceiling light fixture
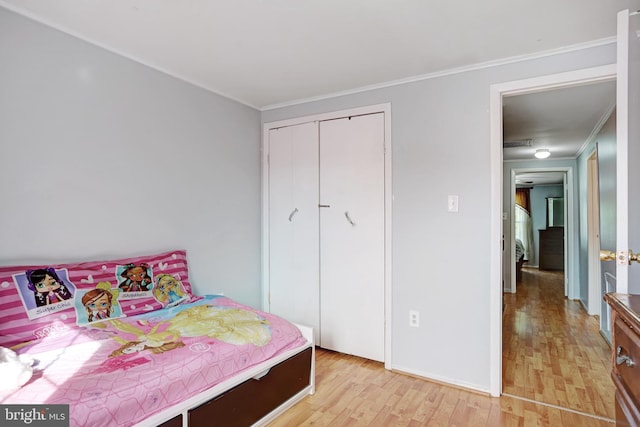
542 153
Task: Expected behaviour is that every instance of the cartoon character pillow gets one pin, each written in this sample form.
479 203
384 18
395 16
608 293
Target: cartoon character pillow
39 301
169 290
95 305
44 290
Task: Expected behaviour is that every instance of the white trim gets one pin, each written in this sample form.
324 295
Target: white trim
513 285
388 197
451 71
531 158
622 146
440 378
594 287
447 72
596 129
266 273
495 243
496 92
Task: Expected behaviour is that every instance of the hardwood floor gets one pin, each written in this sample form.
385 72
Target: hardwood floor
545 338
552 350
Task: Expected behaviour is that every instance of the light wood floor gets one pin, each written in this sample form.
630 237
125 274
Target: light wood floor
552 350
355 391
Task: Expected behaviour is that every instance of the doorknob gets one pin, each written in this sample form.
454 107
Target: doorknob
622 257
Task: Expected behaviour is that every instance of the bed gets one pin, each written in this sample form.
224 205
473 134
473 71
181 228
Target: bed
126 342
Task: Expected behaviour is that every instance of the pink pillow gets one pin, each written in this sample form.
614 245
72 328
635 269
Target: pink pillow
40 300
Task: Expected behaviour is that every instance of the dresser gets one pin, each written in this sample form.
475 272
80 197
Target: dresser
625 345
551 253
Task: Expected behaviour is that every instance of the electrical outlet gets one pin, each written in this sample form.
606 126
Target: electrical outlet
414 318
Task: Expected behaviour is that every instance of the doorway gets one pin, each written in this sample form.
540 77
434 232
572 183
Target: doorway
497 92
542 381
543 183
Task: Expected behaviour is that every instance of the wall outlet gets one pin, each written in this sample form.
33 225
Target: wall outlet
414 318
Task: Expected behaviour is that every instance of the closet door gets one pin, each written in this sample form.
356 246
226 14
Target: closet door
293 224
352 235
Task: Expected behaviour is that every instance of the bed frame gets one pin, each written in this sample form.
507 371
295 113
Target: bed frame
279 382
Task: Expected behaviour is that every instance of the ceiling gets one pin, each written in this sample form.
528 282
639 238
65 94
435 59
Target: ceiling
266 53
530 179
269 53
561 120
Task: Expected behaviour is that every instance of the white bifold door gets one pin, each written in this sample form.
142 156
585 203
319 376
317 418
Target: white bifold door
294 245
326 231
352 235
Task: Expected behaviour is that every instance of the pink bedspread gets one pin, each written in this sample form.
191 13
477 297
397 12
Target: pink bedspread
120 371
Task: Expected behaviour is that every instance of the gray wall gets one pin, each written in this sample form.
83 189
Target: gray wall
108 157
104 157
441 146
605 142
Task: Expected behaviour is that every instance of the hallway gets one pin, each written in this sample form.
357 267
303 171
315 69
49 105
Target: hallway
552 351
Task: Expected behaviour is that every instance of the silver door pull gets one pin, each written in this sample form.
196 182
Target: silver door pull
623 358
295 211
346 214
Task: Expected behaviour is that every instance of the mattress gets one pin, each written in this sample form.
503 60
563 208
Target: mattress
120 371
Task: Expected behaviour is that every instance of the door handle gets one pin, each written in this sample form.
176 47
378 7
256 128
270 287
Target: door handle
622 257
346 214
295 211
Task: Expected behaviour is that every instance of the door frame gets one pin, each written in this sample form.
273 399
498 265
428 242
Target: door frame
388 201
570 283
593 235
496 92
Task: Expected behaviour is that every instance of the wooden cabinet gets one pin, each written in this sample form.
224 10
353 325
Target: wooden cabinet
551 253
625 345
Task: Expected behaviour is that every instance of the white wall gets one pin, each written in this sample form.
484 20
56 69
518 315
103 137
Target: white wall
104 157
441 146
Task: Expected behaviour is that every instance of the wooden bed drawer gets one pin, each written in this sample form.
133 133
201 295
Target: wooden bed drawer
173 422
250 401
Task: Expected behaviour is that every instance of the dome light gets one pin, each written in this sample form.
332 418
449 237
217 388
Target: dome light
542 153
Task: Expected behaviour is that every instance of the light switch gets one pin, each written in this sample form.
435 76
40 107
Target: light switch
452 204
